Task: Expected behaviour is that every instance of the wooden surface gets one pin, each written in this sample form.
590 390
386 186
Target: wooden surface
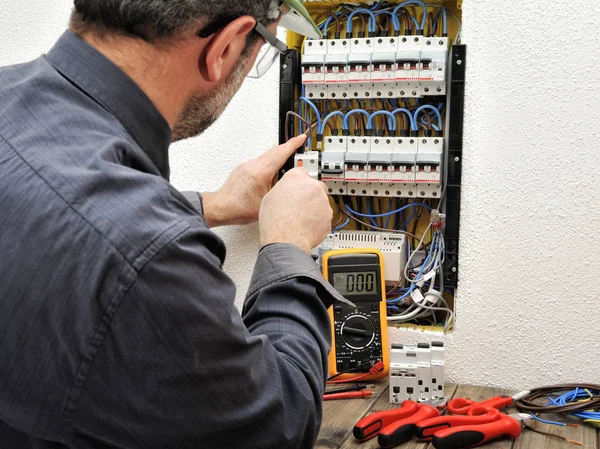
339 418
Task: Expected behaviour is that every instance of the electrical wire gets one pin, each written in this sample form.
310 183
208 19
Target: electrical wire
414 2
580 400
343 210
385 214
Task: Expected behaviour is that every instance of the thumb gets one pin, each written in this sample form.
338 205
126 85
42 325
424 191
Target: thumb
276 157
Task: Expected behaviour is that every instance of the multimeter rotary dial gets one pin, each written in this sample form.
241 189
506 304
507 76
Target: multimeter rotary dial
357 331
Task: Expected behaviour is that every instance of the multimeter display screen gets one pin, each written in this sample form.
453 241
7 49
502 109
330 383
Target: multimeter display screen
355 283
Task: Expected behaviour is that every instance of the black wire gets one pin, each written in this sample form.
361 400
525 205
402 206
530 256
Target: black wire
351 370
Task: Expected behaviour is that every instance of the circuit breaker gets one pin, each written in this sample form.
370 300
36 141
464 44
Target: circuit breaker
417 372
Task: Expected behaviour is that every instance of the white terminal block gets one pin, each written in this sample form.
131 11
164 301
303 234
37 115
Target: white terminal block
437 370
356 171
359 144
362 45
336 144
433 66
338 46
359 75
424 371
391 245
315 47
387 44
429 167
310 161
336 76
332 172
403 373
382 144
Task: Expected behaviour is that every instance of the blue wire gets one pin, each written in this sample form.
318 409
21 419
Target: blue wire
371 219
414 2
346 124
316 111
326 119
409 220
314 108
545 421
339 228
361 10
571 396
437 113
387 220
385 214
445 14
413 123
390 118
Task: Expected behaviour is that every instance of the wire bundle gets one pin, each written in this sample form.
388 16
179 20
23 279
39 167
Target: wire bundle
580 400
422 289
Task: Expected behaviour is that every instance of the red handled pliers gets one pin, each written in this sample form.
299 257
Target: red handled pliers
462 406
461 432
396 426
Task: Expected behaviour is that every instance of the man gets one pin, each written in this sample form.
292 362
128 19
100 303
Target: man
117 324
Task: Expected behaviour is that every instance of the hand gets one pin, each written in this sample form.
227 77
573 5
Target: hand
238 201
296 211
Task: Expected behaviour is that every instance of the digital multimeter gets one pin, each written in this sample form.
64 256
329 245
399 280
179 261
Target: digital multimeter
359 333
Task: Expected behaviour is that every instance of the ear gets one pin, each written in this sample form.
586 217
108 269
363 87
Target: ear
225 48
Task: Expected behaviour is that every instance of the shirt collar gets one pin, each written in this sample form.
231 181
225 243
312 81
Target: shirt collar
116 92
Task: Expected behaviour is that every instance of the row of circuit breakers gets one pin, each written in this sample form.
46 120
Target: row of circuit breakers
401 167
375 67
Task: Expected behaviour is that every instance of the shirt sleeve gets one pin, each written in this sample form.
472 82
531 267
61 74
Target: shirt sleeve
195 199
180 368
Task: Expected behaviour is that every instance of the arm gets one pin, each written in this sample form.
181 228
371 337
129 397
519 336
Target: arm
180 368
238 201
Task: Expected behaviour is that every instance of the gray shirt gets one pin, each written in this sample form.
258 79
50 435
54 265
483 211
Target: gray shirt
117 323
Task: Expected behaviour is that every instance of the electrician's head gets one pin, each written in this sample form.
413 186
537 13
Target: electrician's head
200 51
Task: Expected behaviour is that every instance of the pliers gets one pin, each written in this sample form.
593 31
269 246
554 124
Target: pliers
461 432
462 406
396 426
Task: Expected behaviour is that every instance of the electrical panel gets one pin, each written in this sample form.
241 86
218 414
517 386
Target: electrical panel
417 372
374 96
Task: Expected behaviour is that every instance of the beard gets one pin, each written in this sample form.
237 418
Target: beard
200 112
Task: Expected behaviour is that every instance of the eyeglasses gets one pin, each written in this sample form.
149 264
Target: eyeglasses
268 53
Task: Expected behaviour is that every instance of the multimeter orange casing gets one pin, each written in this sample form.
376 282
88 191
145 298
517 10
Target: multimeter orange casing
382 328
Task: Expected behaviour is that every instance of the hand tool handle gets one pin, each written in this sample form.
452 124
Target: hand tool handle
403 430
370 425
425 429
473 435
461 406
348 395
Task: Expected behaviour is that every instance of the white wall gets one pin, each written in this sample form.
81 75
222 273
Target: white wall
526 307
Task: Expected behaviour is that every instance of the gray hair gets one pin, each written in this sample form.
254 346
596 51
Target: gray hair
160 19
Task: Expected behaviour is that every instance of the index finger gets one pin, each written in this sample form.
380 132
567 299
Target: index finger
276 157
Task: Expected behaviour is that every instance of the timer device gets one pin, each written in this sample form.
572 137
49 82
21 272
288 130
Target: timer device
359 333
